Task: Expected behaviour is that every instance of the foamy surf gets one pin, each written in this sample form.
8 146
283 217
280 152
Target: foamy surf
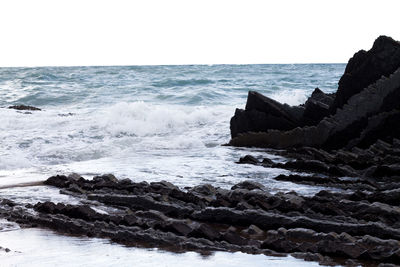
143 123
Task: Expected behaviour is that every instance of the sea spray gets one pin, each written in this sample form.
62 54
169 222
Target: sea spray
142 122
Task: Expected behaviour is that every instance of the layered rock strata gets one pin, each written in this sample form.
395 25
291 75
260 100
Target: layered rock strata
332 228
364 109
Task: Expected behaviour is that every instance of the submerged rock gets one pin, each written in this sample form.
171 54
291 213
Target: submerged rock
24 107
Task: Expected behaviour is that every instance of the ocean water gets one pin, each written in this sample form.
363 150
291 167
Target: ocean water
142 122
147 123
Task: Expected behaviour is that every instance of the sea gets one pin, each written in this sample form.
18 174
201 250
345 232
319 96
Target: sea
145 123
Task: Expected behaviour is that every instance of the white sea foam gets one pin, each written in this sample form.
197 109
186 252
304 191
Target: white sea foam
291 97
14 159
136 140
143 119
175 133
47 138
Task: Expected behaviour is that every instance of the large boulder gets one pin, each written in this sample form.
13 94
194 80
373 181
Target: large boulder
262 114
365 68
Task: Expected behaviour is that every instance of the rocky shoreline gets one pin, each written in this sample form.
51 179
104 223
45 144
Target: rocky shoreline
332 228
364 109
348 140
347 143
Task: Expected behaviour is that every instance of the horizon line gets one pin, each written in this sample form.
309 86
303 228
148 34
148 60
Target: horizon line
184 64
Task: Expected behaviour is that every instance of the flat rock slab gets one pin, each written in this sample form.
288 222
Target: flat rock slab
332 228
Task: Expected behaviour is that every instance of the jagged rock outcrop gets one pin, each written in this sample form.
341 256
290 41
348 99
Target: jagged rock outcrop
338 130
366 109
366 67
263 113
335 131
316 107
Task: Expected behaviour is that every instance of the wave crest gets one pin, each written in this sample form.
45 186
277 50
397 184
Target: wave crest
142 119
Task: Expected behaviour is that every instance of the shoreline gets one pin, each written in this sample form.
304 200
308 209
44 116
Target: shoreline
329 227
344 145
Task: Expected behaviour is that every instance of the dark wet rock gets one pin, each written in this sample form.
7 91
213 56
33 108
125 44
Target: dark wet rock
249 185
263 113
234 238
205 231
362 226
24 107
106 178
391 197
145 202
74 176
255 121
365 106
379 127
335 131
58 181
206 190
267 162
152 215
253 230
5 249
302 234
317 107
81 211
8 202
163 185
181 227
365 68
308 256
386 170
248 159
307 165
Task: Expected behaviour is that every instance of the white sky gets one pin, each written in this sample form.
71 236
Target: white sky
117 32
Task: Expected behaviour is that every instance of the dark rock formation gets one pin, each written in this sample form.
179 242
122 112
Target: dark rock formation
338 130
365 68
316 107
373 173
356 151
366 105
262 114
334 228
24 107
